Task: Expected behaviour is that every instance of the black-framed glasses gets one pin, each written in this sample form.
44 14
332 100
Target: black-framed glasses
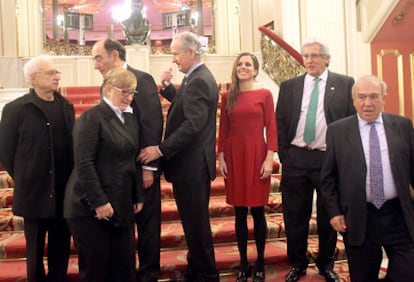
125 92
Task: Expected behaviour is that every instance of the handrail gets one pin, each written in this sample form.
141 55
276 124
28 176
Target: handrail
280 60
292 51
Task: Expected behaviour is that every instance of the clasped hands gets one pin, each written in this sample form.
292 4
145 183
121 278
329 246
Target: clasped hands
106 211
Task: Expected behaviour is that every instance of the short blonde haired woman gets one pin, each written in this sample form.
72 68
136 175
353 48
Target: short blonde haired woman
105 188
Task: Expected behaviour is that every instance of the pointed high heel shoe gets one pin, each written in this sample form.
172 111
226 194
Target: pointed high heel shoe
259 276
242 276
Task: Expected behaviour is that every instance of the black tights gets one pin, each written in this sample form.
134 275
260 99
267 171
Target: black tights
260 230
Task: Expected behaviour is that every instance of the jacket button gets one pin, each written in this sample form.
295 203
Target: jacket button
48 123
50 171
51 196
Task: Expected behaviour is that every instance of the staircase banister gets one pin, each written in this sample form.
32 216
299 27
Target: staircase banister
292 51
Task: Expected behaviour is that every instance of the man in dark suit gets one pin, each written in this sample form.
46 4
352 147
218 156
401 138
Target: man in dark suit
306 105
109 54
372 209
36 150
188 151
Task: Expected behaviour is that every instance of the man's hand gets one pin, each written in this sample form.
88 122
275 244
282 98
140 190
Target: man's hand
338 223
104 212
148 155
147 178
166 77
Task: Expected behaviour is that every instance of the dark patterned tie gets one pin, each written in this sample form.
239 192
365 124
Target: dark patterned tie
375 168
310 125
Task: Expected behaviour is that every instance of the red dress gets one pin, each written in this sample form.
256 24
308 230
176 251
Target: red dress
242 139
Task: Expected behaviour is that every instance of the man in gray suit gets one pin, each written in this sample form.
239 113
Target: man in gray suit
371 216
306 105
188 150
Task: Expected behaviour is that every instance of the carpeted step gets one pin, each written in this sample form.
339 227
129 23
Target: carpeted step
217 188
218 207
5 180
92 98
276 273
223 230
6 197
12 244
10 222
173 261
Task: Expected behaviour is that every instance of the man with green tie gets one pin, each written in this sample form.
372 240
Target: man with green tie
306 105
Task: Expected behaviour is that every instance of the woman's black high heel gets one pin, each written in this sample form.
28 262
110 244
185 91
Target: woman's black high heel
242 276
259 276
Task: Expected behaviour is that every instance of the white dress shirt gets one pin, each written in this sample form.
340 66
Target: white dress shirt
321 125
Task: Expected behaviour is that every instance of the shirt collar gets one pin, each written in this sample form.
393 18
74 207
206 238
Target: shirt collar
116 109
323 76
363 122
193 67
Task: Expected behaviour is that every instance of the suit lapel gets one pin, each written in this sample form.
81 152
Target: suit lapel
296 105
118 126
390 134
329 91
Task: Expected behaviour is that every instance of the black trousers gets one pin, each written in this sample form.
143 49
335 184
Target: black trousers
387 229
58 238
192 204
300 178
106 252
149 234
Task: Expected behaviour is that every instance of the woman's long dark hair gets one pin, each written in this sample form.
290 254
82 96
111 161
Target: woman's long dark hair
235 87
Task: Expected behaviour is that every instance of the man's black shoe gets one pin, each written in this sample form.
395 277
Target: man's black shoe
330 275
294 274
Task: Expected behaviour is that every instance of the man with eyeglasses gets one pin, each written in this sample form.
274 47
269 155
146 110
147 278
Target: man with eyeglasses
306 105
108 54
36 150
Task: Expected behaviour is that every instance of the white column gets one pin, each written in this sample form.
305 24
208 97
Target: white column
8 28
227 26
30 28
255 13
138 56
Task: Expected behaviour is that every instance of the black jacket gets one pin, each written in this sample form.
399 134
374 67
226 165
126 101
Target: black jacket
26 151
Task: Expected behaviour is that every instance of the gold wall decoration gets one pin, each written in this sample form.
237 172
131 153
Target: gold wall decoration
412 83
277 62
400 74
402 13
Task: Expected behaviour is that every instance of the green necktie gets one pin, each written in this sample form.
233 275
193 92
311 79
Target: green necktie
310 125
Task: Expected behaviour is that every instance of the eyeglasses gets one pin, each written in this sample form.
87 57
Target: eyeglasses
125 92
312 56
51 73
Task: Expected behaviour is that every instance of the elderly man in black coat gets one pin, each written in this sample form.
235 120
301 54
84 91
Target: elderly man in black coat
36 150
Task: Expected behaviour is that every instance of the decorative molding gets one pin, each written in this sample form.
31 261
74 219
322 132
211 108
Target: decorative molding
400 74
402 13
412 83
371 26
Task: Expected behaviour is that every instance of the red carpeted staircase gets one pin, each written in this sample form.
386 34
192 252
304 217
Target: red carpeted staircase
173 252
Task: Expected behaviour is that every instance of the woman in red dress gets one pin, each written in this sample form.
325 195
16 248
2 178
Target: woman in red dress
247 142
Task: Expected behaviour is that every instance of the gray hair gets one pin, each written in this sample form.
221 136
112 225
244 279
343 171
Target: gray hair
34 65
190 41
321 43
373 79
